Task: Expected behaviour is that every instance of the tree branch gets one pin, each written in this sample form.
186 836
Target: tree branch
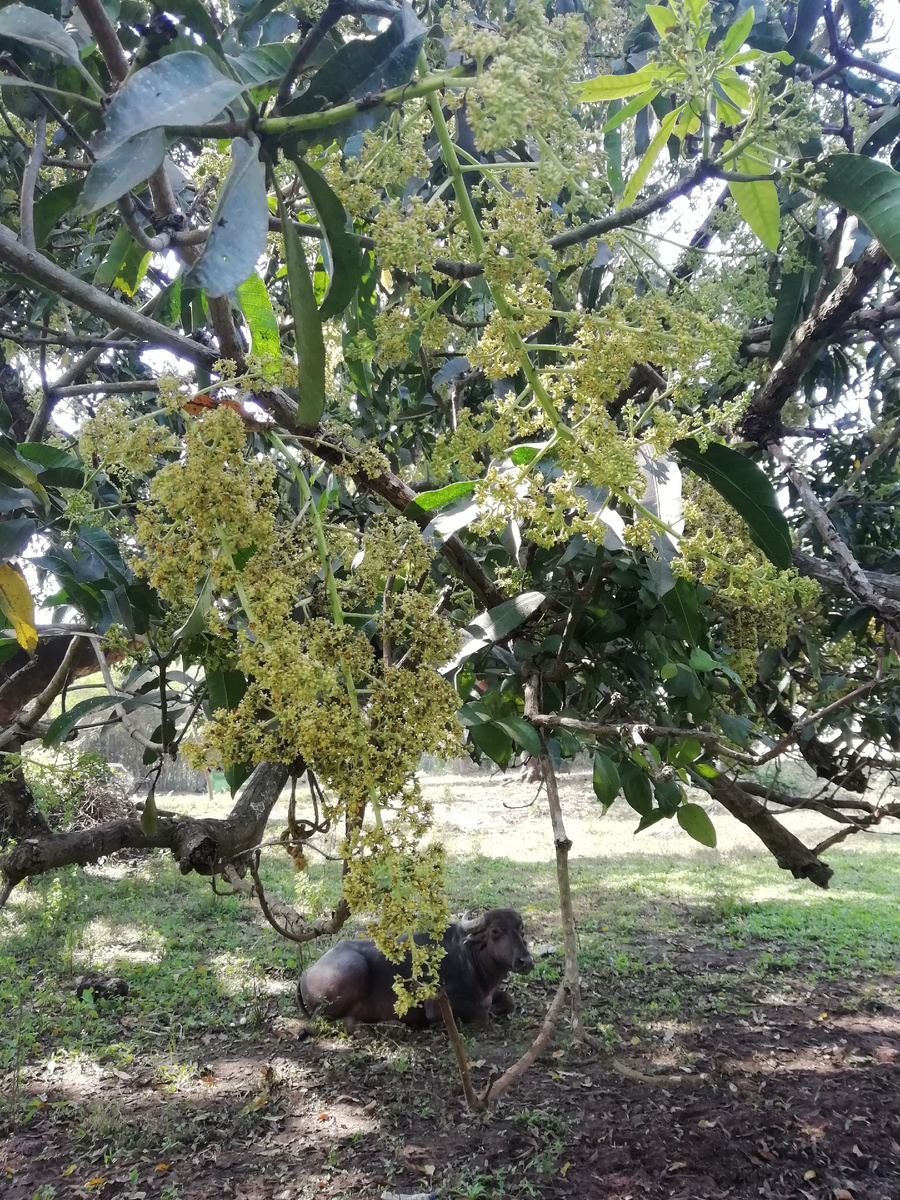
29 181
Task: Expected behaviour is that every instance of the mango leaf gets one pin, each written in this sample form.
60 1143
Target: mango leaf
12 464
237 233
226 689
181 89
616 87
15 534
693 820
868 189
758 204
53 205
809 13
55 468
63 725
123 168
637 788
262 65
256 306
747 489
736 729
669 795
36 28
605 779
628 110
307 326
196 621
737 34
497 623
493 741
168 303
645 166
796 288
113 259
861 14
346 255
91 538
194 15
523 733
427 502
359 68
662 18
134 266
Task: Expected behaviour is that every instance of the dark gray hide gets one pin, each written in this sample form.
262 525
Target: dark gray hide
354 979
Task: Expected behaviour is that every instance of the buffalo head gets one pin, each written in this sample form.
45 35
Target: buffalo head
499 936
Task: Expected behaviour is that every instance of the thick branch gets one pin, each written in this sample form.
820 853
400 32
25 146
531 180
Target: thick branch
197 845
829 575
106 38
762 424
46 274
787 849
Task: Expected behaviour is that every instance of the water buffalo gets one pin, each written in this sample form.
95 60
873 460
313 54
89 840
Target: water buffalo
355 980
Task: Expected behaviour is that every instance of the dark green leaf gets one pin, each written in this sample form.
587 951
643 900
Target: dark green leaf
53 205
362 67
607 783
868 189
122 169
809 13
793 293
66 722
12 464
25 24
235 774
181 89
226 689
637 788
693 820
307 327
736 729
168 303
523 733
93 538
346 256
669 795
493 741
681 602
239 225
747 489
861 14
193 13
15 534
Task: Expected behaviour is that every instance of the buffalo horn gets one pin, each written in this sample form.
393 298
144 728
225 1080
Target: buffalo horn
473 922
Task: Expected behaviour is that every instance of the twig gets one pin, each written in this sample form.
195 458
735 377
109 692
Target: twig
29 181
113 691
106 38
476 1103
156 244
537 1047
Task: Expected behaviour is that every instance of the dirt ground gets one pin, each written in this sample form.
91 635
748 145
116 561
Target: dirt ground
788 1077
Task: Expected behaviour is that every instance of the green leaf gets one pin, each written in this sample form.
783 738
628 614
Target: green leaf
427 502
123 168
737 34
265 64
196 621
181 89
52 206
681 602
150 815
493 741
523 733
668 670
736 729
669 795
861 14
134 266
226 689
637 788
66 722
12 464
497 623
346 255
91 538
701 661
616 87
870 190
693 820
168 304
15 534
607 783
307 326
747 489
645 166
256 306
36 28
685 751
240 223
628 110
758 204
194 15
115 256
792 296
662 18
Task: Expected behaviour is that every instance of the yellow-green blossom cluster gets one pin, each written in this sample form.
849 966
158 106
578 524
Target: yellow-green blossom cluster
118 440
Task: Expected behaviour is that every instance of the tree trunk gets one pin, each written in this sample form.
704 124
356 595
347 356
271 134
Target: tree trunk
20 816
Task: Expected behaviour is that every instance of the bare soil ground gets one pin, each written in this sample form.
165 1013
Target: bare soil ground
788 1052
